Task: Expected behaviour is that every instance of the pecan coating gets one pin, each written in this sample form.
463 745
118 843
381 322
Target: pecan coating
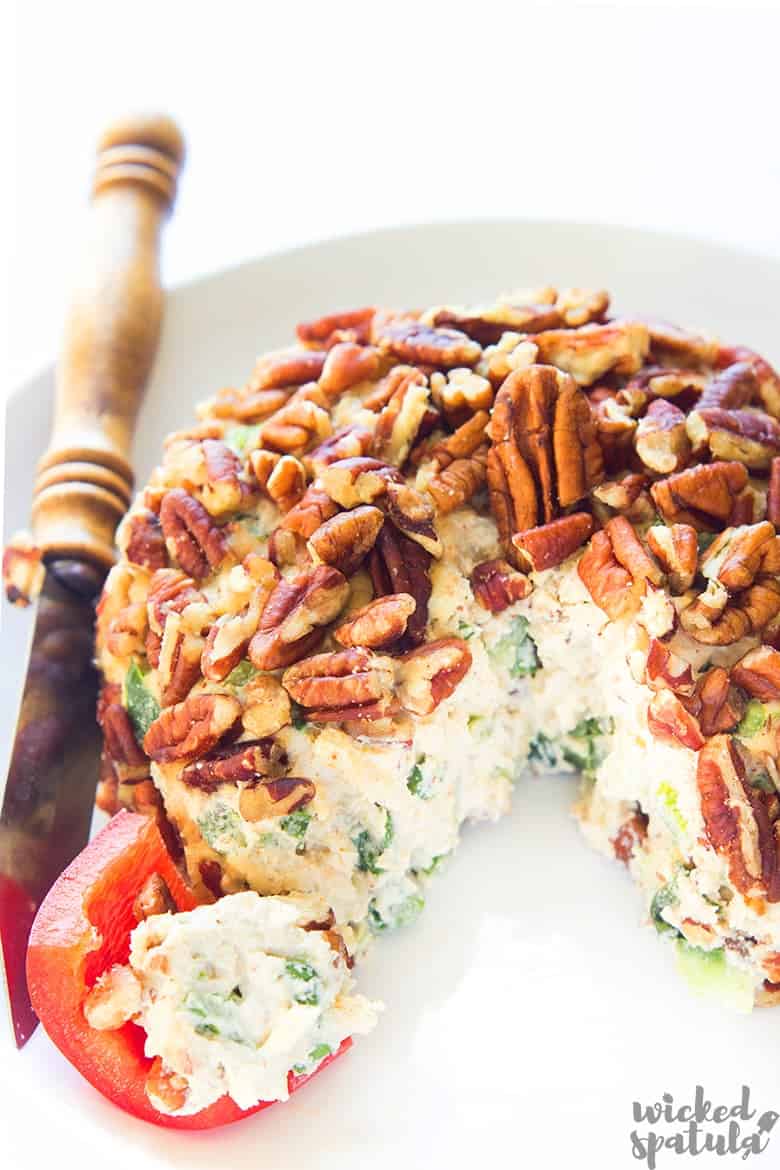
544 455
430 674
412 341
247 405
143 540
223 490
292 621
238 762
191 728
702 496
399 565
550 544
496 585
193 539
345 539
378 624
286 481
359 480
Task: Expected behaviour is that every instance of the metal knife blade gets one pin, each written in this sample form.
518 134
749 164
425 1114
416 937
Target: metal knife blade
50 784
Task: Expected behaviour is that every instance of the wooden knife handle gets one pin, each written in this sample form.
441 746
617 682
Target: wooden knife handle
84 480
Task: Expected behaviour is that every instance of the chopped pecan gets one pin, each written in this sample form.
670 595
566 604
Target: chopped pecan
296 426
461 393
192 538
737 555
154 897
462 443
630 837
178 663
715 703
544 454
429 675
413 514
223 490
126 633
580 306
347 443
286 368
496 585
236 763
669 720
589 352
275 798
610 585
397 379
661 440
744 509
731 388
631 553
749 436
767 378
353 322
400 565
312 510
620 494
347 365
378 624
142 540
170 591
165 1086
360 480
412 341
616 429
346 684
550 544
296 611
399 421
286 482
736 819
461 479
345 539
23 571
676 548
666 669
657 613
120 744
675 346
247 405
489 323
266 706
758 673
663 382
191 728
702 496
229 637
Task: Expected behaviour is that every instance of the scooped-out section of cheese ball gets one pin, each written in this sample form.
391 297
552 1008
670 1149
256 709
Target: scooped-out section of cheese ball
233 997
419 551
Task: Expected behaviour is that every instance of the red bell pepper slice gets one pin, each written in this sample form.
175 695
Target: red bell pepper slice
81 930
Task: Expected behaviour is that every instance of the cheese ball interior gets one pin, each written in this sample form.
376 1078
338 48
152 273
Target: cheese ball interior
419 552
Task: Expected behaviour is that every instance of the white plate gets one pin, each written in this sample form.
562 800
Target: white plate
529 1007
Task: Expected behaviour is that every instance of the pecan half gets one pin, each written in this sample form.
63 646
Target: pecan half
399 565
666 669
347 684
170 591
266 706
675 346
550 544
737 555
766 376
345 539
191 728
399 422
222 489
702 496
676 549
347 443
412 341
378 624
669 720
178 661
347 365
620 494
294 614
397 379
142 540
488 324
462 443
236 763
758 673
610 585
296 426
286 368
312 510
125 634
286 481
275 798
246 405
192 538
429 675
360 480
736 820
589 352
715 702
413 514
731 388
544 454
496 585
461 479
229 637
661 440
631 553
749 436
121 746
749 613
579 306
354 322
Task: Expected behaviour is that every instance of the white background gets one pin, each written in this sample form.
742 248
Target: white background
309 119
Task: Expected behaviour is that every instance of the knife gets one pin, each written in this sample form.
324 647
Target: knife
82 490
